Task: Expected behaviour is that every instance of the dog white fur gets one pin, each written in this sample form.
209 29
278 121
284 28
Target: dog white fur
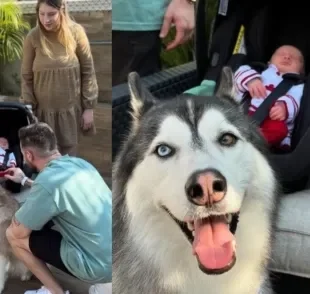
151 253
10 266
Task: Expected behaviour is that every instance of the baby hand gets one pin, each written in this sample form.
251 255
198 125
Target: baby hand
257 88
278 111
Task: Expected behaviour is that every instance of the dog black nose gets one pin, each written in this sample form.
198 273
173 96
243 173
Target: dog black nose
205 187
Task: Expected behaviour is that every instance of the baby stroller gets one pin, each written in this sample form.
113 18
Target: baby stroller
13 116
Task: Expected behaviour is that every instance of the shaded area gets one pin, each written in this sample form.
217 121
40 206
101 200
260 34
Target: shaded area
288 284
75 286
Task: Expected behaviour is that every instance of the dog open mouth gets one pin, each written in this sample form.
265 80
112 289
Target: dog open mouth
213 241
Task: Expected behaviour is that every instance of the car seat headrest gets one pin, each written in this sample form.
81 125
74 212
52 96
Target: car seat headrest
272 27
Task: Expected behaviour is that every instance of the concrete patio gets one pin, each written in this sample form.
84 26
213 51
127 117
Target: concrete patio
15 286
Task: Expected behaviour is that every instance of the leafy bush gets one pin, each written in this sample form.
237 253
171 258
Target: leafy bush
12 30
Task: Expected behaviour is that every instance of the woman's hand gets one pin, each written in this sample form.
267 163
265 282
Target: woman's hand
87 119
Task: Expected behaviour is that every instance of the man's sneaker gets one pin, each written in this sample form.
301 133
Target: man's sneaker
101 289
42 290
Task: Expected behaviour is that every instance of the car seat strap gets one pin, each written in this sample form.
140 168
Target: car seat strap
289 80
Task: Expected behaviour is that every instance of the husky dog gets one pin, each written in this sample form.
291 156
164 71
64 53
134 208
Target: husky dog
194 197
10 266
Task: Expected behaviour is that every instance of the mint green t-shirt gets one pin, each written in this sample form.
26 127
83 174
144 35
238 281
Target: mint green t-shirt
70 192
138 15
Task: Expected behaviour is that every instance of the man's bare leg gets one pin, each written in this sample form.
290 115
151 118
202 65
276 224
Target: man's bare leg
22 251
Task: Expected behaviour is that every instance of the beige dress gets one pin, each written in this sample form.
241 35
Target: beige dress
59 89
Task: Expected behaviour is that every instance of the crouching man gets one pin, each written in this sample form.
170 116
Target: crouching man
66 221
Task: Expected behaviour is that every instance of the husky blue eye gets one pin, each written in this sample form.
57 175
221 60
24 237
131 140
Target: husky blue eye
228 139
164 150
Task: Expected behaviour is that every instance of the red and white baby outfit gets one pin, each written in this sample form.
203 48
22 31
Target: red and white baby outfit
275 132
11 161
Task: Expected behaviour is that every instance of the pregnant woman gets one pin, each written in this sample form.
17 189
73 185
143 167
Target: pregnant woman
58 75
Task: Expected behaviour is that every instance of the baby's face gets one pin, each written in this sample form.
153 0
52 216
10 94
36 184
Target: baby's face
288 59
4 143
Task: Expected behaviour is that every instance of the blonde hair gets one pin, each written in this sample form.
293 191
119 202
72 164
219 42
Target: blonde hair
65 34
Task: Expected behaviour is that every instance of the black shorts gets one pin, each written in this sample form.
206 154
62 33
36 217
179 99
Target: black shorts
45 245
134 51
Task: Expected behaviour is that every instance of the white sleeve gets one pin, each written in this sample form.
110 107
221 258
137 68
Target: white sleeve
12 160
292 100
243 75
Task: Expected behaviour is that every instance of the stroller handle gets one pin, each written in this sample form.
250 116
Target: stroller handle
21 107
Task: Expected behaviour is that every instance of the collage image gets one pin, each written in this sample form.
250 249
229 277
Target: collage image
154 147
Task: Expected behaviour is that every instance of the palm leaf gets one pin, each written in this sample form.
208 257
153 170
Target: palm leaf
12 30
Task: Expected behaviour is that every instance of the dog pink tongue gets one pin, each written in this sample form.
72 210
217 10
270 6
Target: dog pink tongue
213 243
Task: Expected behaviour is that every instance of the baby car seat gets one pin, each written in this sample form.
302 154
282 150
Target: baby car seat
268 25
13 116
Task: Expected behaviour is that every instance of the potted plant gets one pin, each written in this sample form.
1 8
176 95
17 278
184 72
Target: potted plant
12 32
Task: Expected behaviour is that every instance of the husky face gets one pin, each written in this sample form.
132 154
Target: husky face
192 159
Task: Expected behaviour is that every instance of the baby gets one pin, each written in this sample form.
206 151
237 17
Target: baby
277 128
4 145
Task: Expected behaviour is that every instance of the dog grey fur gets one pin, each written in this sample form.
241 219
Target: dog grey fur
200 162
9 265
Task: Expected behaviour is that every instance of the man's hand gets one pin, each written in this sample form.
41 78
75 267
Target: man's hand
257 88
15 174
278 111
181 13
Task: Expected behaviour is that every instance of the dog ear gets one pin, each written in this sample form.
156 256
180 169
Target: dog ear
226 87
141 97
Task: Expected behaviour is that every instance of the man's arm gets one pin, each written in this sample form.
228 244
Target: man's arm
180 13
28 182
17 175
18 230
38 209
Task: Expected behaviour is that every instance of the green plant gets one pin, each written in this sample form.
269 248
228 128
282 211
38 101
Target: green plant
180 55
12 30
185 53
